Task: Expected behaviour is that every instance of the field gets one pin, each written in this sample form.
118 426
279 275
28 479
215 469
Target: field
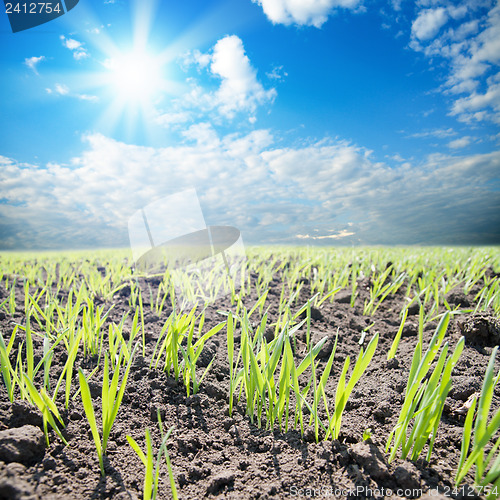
329 372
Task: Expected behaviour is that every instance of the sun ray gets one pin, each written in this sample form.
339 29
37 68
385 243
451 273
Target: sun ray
142 14
128 75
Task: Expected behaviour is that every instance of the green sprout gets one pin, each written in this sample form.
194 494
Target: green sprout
112 396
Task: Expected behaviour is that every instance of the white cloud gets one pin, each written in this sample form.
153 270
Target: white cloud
79 52
70 43
196 57
428 23
474 106
64 90
61 89
271 194
439 133
464 30
203 134
32 63
460 143
303 12
396 157
239 90
86 97
396 4
277 73
169 119
473 51
342 234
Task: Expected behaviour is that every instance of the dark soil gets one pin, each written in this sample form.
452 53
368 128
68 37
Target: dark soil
214 455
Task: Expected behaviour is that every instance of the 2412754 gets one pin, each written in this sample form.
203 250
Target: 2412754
33 7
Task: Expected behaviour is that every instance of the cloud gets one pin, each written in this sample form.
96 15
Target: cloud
396 4
480 53
460 143
170 119
70 43
59 89
79 52
472 50
342 234
32 63
86 97
428 23
239 90
439 133
396 157
282 195
277 73
303 12
203 134
197 58
474 107
64 90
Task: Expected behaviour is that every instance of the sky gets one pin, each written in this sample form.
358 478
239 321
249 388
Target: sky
329 122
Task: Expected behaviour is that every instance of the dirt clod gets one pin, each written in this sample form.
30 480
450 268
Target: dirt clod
21 444
219 482
371 459
481 329
14 488
407 476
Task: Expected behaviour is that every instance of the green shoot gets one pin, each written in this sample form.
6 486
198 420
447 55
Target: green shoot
164 438
397 338
483 432
344 391
47 408
424 396
111 400
152 473
5 364
191 355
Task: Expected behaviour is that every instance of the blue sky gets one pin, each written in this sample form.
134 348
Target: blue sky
312 122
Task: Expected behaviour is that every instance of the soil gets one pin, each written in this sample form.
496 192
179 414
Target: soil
217 456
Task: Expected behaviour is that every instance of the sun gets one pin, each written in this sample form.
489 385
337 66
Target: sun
133 83
134 77
131 74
